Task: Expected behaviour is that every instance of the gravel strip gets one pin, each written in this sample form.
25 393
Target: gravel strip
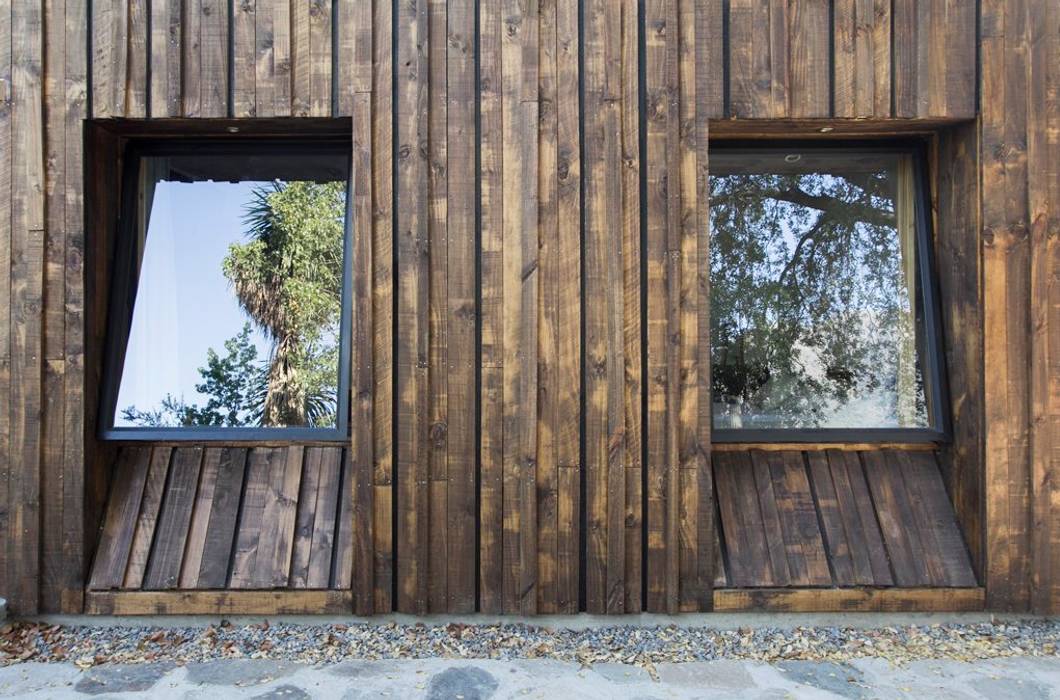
644 646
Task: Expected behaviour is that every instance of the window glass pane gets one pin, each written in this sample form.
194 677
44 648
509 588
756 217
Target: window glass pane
236 318
814 297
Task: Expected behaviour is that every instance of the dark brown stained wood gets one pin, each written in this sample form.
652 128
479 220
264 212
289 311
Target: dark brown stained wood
1006 304
860 528
680 539
217 550
317 499
307 503
838 544
356 97
5 283
461 293
612 319
770 504
213 57
75 544
328 500
519 287
759 481
948 558
904 547
959 275
151 503
660 165
807 561
26 301
167 37
413 294
1043 158
310 56
862 65
53 438
343 562
490 516
382 306
252 505
810 66
849 600
934 57
110 54
625 515
112 556
245 57
438 308
271 79
711 50
759 58
191 563
276 536
548 352
167 553
224 603
191 58
749 556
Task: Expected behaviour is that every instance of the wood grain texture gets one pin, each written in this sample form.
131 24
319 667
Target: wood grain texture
680 546
494 124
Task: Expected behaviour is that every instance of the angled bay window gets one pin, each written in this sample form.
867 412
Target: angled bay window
822 316
229 288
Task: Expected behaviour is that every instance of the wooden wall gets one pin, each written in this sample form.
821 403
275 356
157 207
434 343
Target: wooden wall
529 364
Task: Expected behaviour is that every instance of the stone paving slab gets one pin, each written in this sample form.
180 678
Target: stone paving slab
447 679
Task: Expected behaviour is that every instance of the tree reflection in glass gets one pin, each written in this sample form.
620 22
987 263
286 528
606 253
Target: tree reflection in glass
238 309
814 299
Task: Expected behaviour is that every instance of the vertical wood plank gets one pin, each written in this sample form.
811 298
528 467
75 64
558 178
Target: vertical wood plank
413 280
201 513
810 63
318 569
382 305
54 313
110 55
438 306
272 63
26 301
218 548
862 65
244 556
154 488
519 283
6 99
609 215
167 37
1006 305
959 271
680 530
461 310
119 523
213 47
1043 162
356 96
245 57
548 257
276 535
167 553
74 527
566 431
491 294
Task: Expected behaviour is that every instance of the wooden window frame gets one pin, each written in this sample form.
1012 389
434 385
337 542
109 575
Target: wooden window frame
936 389
125 281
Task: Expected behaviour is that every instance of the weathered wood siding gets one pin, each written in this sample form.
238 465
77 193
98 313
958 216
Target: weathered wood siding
524 169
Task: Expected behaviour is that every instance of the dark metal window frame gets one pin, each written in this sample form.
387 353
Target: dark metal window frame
929 336
125 281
